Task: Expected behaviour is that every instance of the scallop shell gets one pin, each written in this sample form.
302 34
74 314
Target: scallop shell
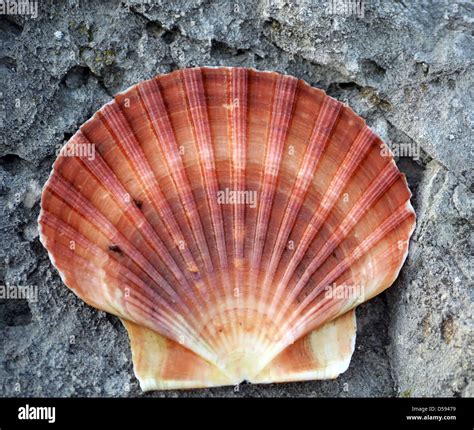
233 219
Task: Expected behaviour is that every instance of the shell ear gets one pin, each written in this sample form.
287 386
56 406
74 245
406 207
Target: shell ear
324 353
162 364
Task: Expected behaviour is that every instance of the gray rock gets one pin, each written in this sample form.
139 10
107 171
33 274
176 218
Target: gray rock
406 67
431 311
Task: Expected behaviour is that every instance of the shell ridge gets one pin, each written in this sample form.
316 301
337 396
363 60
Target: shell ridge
322 130
164 136
270 170
196 101
395 219
237 87
80 205
198 107
161 124
164 133
352 160
284 99
314 150
86 266
193 341
251 229
169 260
203 245
109 180
89 212
151 187
240 141
383 181
347 224
329 116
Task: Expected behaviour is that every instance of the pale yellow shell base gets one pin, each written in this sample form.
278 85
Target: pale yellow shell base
161 364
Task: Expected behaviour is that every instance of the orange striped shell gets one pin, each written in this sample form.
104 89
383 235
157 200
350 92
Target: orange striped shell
232 219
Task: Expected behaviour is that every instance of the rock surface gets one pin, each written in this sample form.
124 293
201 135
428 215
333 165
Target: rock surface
405 66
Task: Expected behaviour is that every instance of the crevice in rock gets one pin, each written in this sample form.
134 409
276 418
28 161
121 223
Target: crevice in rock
76 77
39 251
154 29
12 162
169 36
371 68
223 49
413 173
134 8
336 87
272 24
14 313
422 68
9 26
100 80
8 64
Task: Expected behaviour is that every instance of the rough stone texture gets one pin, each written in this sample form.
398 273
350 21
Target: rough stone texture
405 66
